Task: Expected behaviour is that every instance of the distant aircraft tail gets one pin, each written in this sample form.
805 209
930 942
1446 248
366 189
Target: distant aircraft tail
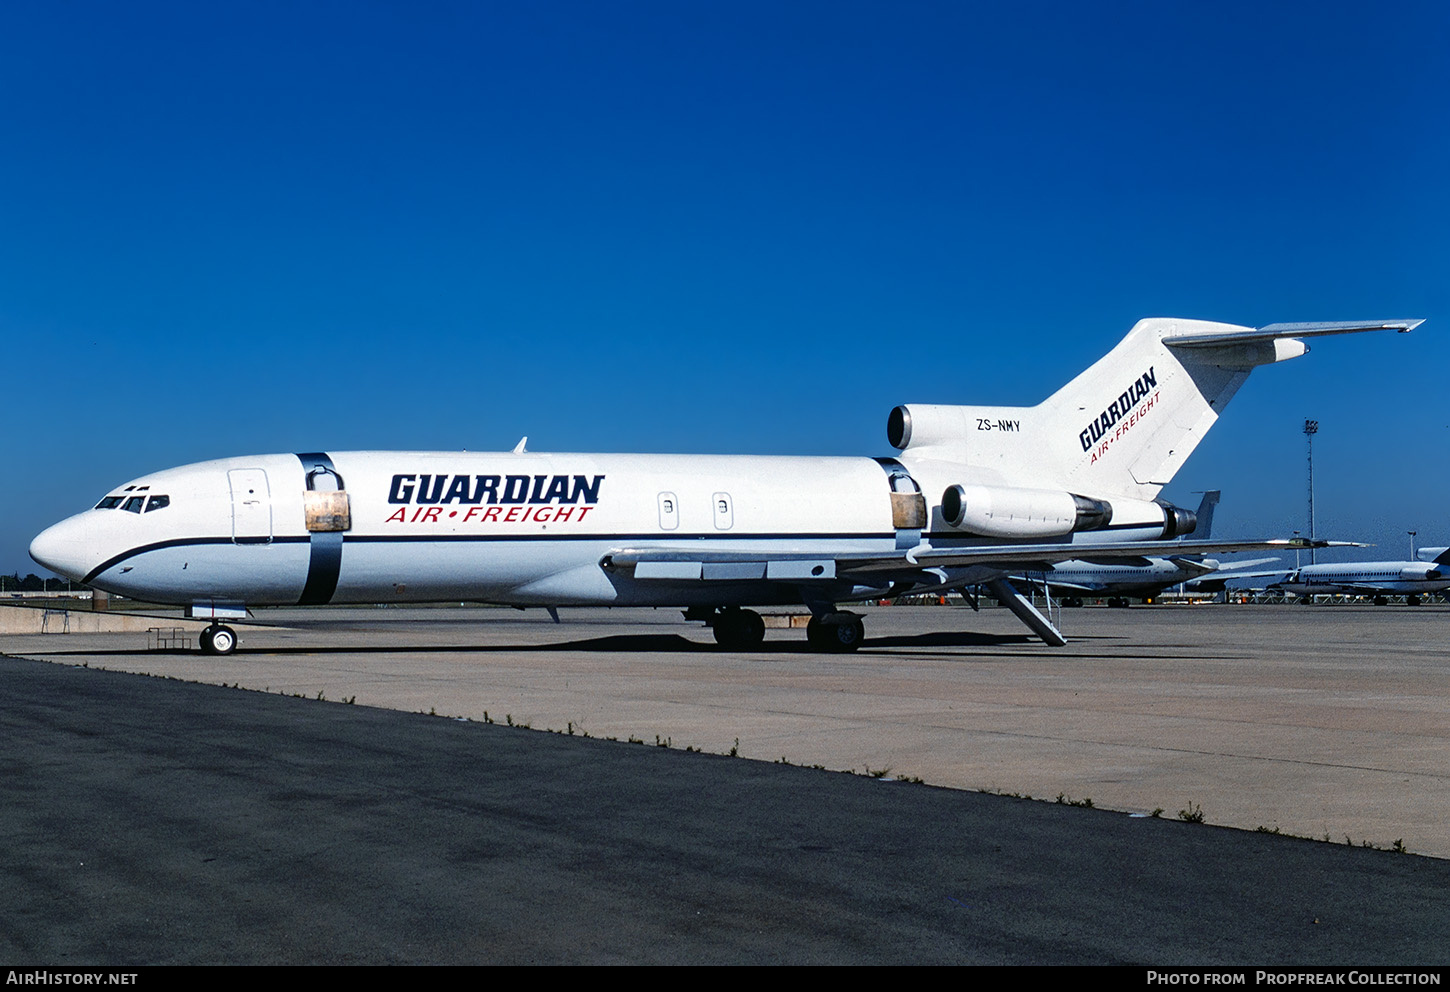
1126 424
1205 515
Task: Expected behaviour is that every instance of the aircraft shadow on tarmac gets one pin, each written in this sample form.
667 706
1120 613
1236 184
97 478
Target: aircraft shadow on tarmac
612 644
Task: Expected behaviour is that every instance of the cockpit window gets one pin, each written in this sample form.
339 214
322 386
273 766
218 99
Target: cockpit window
134 503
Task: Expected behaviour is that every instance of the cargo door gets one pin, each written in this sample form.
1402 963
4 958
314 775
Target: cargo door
251 506
908 506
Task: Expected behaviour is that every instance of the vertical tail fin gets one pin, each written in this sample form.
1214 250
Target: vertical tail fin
1125 425
1206 506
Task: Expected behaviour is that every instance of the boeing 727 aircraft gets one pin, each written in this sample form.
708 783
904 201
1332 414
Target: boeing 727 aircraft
1119 579
1144 578
975 494
1380 579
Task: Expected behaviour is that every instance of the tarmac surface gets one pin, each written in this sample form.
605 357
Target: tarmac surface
170 820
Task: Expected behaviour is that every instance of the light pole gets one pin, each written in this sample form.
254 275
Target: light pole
1311 427
1412 544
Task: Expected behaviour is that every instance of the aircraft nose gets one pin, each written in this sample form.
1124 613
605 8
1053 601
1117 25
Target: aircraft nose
63 548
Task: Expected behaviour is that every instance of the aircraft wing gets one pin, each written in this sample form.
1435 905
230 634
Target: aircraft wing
1030 556
693 564
1194 565
1235 566
1090 588
1235 576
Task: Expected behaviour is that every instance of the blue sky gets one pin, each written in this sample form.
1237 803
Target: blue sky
711 226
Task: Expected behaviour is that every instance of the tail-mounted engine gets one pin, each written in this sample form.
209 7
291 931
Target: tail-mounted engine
1177 522
925 425
1001 511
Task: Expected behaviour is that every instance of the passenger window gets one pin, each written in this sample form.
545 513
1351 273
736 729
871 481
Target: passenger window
110 502
158 503
669 511
724 514
133 504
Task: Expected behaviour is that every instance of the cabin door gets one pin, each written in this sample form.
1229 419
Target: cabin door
908 506
251 506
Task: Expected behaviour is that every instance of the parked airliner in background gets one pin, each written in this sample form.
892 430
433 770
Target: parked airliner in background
976 493
1145 578
1380 579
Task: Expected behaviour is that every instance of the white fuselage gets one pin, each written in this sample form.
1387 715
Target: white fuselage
1395 577
527 529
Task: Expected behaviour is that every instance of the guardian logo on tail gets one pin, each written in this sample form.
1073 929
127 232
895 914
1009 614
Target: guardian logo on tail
1119 408
1179 376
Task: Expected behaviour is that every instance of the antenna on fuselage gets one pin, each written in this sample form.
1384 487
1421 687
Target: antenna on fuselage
519 448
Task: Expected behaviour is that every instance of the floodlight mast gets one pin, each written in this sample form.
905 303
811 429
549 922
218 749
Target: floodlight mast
1311 427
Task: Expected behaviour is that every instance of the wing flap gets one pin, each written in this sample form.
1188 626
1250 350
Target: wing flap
672 571
680 565
698 565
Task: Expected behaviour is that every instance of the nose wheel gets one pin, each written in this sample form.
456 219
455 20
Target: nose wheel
218 639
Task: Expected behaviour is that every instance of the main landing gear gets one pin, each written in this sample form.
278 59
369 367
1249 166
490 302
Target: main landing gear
839 632
737 629
744 630
218 639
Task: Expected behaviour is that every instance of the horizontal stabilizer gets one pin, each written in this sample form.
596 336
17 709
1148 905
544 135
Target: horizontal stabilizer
1272 332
